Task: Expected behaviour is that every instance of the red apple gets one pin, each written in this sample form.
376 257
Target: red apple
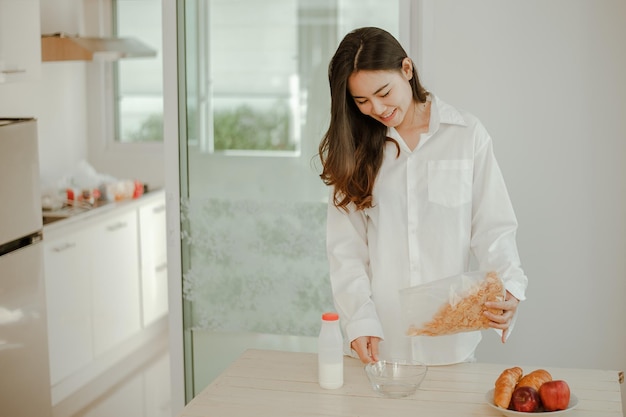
554 395
525 399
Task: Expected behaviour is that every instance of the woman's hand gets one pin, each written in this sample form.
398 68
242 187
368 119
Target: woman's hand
502 321
366 347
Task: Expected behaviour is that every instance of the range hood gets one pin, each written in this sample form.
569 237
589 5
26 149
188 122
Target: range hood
63 47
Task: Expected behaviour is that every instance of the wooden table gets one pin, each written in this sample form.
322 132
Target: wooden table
263 383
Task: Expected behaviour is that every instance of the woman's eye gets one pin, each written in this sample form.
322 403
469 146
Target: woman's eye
386 94
361 102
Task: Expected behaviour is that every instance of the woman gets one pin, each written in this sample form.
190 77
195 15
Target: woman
416 191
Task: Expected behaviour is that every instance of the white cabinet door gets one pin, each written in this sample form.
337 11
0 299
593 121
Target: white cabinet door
68 295
115 281
152 232
20 41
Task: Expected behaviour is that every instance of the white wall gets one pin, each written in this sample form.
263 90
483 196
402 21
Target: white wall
59 101
547 79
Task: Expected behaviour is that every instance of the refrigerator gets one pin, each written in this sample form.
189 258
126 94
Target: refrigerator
24 364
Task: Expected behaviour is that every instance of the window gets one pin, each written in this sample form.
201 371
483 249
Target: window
138 82
249 74
253 68
246 97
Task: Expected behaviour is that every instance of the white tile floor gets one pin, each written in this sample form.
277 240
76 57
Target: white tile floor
139 386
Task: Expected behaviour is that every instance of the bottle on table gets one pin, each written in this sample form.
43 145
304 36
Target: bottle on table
330 352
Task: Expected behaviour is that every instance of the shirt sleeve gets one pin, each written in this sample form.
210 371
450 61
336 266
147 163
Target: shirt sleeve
494 224
348 259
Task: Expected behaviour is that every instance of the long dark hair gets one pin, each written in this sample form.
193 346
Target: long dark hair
351 151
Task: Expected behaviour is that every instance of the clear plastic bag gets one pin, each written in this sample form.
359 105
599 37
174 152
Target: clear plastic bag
450 305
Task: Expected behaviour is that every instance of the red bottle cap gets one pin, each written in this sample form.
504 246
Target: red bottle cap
330 316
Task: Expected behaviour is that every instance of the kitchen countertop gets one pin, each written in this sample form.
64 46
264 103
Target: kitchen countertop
264 383
53 220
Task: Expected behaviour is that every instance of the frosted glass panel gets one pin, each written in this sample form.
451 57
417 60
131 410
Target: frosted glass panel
256 266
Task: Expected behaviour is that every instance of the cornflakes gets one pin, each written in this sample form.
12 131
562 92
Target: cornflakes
464 313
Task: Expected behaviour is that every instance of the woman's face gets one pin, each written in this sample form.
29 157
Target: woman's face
384 95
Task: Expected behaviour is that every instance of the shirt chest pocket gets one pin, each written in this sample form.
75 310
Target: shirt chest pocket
450 182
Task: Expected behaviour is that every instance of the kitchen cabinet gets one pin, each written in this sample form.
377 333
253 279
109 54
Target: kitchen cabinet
68 296
106 286
20 41
153 244
92 290
115 281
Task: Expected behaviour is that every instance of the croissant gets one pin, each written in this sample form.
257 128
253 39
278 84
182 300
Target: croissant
535 379
505 385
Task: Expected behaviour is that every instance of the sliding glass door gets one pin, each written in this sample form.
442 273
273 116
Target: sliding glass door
253 206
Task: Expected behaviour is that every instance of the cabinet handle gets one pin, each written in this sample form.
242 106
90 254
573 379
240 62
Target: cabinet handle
63 247
161 267
13 71
116 226
158 209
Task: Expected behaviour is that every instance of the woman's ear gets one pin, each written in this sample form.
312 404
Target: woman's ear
407 68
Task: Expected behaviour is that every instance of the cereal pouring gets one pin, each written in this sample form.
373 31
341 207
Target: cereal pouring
451 305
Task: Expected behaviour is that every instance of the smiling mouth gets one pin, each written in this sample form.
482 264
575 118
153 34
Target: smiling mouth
388 117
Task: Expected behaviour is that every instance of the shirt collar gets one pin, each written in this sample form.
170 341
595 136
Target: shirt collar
440 113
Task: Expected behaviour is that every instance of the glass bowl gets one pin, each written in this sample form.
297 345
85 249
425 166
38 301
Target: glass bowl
395 378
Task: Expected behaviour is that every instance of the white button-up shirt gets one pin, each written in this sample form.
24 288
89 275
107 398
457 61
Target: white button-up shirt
433 208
